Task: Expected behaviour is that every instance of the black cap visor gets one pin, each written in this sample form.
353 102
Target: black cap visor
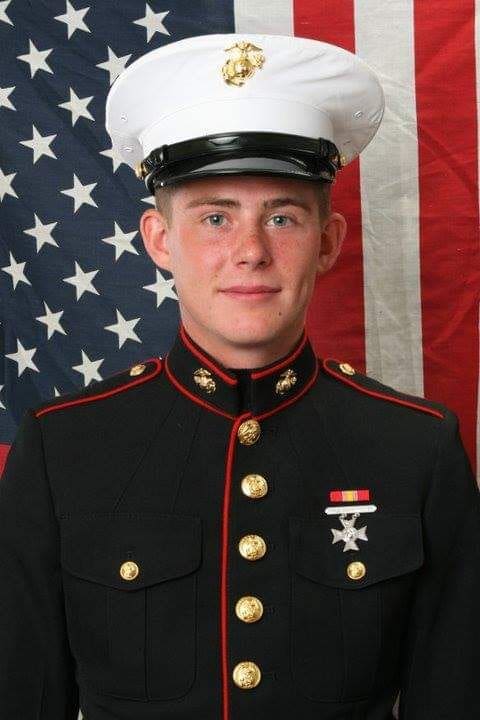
242 154
239 166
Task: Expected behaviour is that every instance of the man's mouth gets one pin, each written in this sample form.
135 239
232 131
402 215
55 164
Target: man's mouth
250 290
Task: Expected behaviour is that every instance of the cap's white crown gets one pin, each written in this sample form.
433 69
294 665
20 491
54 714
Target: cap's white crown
304 87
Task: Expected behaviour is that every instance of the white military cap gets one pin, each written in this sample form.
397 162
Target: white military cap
243 103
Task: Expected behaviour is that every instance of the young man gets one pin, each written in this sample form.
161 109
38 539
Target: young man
241 529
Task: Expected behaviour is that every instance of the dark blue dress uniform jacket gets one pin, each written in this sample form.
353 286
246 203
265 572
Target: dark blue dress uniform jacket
132 549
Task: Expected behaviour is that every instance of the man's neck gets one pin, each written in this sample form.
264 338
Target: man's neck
248 357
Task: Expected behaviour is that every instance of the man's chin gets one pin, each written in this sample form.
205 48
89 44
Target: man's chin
251 335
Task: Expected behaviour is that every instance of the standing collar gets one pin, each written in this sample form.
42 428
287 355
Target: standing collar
260 391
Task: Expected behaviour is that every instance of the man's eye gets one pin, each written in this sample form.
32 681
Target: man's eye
216 215
284 217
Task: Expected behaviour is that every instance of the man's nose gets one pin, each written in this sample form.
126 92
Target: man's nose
252 247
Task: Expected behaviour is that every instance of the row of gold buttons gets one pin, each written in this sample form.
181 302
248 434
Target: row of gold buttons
355 570
246 674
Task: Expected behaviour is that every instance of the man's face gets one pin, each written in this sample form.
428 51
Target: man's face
244 252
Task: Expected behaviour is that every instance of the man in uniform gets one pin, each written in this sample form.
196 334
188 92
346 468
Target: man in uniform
240 530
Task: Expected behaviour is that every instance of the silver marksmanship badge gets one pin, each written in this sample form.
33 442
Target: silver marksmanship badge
350 533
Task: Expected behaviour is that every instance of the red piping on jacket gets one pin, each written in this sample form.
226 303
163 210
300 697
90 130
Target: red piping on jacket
204 360
283 363
224 564
225 537
216 410
383 396
191 396
293 399
107 393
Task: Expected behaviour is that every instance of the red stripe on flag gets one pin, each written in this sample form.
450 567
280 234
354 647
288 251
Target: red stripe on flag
335 319
4 450
448 186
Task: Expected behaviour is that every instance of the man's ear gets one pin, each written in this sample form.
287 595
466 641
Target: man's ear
333 235
154 230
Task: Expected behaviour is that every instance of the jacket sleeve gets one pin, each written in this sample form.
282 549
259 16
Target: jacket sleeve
37 679
441 659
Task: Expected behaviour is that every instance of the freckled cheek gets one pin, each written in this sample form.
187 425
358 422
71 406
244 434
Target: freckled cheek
201 269
210 263
297 272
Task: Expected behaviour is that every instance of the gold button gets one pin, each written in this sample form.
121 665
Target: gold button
249 608
137 369
246 674
254 486
347 369
129 570
204 380
356 570
252 547
286 381
249 432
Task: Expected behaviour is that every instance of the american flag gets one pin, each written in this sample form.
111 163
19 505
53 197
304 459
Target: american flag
81 299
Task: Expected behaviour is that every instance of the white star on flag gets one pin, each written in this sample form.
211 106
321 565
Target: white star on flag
114 65
153 22
40 145
4 95
42 233
77 106
88 368
116 160
162 288
124 329
23 357
73 19
52 321
82 281
37 59
121 241
16 271
6 185
80 194
3 15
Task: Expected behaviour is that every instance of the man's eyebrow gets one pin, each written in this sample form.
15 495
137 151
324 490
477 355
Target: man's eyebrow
268 204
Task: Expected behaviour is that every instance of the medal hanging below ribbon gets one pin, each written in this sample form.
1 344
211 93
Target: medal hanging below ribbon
350 534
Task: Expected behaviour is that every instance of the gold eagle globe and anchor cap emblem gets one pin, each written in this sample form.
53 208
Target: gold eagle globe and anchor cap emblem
244 59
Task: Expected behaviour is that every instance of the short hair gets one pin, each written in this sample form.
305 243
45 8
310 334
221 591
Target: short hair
163 200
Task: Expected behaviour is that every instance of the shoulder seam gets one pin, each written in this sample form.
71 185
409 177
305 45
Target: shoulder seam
383 396
78 401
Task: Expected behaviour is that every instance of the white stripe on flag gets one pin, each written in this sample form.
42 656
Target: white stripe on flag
390 202
274 17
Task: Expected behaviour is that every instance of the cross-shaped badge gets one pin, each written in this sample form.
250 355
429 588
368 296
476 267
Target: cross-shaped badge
350 533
